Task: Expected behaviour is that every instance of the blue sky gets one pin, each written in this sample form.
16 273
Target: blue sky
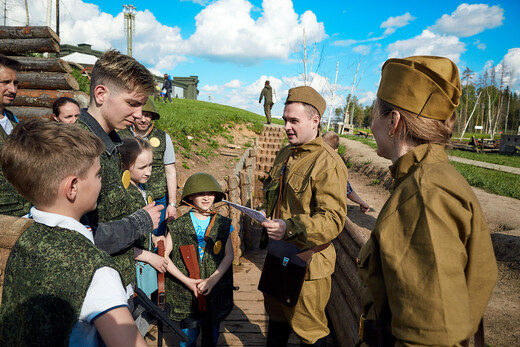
234 45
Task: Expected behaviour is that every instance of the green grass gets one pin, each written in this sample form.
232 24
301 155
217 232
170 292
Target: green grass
496 182
493 158
367 141
204 122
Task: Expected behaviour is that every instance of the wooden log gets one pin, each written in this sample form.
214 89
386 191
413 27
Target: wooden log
351 248
357 235
11 228
18 46
28 32
43 64
342 319
26 113
46 80
349 268
351 295
40 97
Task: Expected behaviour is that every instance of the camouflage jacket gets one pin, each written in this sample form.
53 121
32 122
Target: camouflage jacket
157 183
46 279
11 202
183 303
116 227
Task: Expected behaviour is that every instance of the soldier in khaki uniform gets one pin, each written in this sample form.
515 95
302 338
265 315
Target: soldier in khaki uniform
312 212
429 266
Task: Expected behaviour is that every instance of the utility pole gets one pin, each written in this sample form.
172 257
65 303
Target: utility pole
333 92
49 10
129 11
58 17
305 56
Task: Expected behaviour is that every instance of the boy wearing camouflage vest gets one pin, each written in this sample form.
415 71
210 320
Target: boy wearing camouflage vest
208 232
163 181
59 288
119 88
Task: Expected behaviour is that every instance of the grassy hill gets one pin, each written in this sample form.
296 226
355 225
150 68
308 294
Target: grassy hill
203 122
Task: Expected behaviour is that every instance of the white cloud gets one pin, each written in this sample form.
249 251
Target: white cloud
232 84
511 62
367 98
198 2
209 89
393 23
428 43
226 31
362 49
468 20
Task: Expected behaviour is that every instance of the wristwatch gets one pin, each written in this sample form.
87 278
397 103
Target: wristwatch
174 204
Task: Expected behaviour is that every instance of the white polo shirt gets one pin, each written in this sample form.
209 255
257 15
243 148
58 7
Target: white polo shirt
105 292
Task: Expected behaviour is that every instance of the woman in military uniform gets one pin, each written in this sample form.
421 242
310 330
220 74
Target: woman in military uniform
429 266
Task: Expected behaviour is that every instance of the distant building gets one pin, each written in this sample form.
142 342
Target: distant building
84 55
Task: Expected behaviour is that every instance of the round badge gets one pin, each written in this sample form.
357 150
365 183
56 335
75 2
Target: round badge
126 179
217 247
155 142
150 200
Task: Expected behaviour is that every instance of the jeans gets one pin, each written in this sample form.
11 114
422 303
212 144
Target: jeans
161 229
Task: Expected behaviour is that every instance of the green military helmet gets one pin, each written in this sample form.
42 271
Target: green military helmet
202 182
150 107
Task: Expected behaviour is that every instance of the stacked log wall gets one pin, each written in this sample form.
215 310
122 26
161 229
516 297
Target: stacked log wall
41 80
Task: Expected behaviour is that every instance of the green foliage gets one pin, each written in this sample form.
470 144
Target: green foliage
375 182
342 149
367 162
204 122
83 81
348 164
185 165
496 182
493 158
367 141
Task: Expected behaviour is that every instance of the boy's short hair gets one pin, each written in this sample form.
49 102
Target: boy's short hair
39 154
331 139
120 71
62 101
130 150
9 63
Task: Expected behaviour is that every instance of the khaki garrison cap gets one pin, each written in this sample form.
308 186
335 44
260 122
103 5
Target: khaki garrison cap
309 96
425 85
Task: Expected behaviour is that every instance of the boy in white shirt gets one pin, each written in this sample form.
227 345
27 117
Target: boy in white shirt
59 289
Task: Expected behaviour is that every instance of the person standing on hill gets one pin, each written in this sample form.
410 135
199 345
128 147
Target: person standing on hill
11 203
167 85
306 203
267 95
163 181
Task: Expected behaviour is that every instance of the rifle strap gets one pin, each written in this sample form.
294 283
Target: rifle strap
213 214
161 292
280 186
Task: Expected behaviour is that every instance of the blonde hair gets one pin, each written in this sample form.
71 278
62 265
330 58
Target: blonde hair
121 71
39 154
416 129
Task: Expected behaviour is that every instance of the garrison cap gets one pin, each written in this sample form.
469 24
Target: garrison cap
309 96
425 85
150 107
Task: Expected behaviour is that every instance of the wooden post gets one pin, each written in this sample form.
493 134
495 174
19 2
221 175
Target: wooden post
46 80
42 64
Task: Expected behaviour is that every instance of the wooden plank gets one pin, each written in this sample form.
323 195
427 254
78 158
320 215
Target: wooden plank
26 113
17 46
42 64
40 97
28 32
46 80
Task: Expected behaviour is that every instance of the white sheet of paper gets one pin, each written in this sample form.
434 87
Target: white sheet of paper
257 215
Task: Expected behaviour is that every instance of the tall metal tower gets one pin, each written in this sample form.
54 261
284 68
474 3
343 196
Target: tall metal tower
129 11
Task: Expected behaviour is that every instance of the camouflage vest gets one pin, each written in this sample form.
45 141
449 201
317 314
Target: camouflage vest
46 279
125 260
113 200
157 183
11 202
220 300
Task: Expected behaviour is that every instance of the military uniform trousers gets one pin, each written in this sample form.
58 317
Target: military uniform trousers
307 318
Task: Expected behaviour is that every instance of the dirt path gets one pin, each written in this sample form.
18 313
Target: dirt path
502 318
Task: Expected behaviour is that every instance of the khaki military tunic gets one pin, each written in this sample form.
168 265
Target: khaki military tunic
313 207
429 266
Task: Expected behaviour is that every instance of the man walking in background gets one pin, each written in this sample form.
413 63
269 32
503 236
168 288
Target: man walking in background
267 95
167 86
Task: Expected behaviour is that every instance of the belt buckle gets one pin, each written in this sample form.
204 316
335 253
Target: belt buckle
362 326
